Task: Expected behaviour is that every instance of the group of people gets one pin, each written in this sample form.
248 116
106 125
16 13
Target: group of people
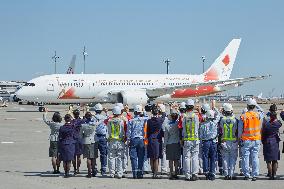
192 140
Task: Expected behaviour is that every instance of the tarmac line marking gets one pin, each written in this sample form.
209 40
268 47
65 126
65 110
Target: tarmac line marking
4 142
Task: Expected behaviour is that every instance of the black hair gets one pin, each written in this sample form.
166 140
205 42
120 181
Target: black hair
182 110
250 107
76 113
189 107
98 111
227 113
88 115
273 108
56 117
155 110
68 118
137 113
203 111
174 116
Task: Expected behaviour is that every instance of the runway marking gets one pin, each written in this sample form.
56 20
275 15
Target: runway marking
10 118
4 142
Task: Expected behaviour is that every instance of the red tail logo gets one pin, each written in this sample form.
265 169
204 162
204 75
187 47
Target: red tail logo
226 60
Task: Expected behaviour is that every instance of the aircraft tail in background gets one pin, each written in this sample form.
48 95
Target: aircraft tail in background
71 68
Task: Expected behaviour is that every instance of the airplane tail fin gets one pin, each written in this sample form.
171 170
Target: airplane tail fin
260 95
71 68
222 67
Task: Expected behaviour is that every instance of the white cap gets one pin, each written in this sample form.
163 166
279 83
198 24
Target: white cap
190 102
182 105
116 110
210 114
120 105
98 107
138 108
162 107
205 107
174 111
251 101
227 107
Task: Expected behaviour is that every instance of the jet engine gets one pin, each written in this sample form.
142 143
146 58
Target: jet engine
133 97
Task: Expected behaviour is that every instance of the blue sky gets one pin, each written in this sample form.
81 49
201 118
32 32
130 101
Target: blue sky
136 36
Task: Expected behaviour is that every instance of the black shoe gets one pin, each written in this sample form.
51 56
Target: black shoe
253 179
140 177
155 176
134 177
66 175
246 178
194 178
207 176
89 175
187 179
226 177
234 178
54 172
221 171
212 177
241 174
146 172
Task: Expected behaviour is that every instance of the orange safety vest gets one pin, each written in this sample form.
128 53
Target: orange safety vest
251 130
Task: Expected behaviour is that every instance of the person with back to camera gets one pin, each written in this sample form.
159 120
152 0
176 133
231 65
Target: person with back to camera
77 121
270 140
154 137
250 135
54 126
67 144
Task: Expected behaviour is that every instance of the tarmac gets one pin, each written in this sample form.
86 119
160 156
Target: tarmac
24 161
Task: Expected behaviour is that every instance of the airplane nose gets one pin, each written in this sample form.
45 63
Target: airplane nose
19 94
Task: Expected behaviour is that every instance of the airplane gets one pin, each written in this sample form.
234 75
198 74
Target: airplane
71 68
134 89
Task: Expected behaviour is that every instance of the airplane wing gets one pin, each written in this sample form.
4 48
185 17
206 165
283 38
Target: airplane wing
237 82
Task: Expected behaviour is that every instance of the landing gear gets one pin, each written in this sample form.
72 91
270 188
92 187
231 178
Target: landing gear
41 109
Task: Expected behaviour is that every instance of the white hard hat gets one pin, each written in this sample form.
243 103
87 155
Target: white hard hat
120 105
190 102
116 110
162 107
205 107
251 101
138 108
227 107
98 107
174 111
210 114
182 105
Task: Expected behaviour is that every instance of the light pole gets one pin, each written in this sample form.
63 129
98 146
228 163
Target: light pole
55 57
168 65
84 55
203 62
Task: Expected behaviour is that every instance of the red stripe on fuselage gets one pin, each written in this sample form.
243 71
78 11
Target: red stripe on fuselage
200 91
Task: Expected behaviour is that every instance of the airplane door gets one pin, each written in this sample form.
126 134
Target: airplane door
50 86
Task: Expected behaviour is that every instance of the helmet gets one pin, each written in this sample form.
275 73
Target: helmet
138 108
190 102
116 110
174 111
251 102
205 107
227 107
210 114
120 105
98 107
162 107
182 105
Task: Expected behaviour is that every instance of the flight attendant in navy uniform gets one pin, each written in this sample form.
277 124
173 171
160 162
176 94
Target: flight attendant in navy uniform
67 144
77 121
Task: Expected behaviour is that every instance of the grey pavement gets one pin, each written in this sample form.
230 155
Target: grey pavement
24 161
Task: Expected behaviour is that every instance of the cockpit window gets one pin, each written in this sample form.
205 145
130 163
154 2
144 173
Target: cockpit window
30 84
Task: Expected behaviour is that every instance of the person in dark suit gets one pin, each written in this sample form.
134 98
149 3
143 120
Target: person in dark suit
67 144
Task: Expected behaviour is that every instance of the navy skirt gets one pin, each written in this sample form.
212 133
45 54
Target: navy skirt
67 152
78 147
154 149
271 150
